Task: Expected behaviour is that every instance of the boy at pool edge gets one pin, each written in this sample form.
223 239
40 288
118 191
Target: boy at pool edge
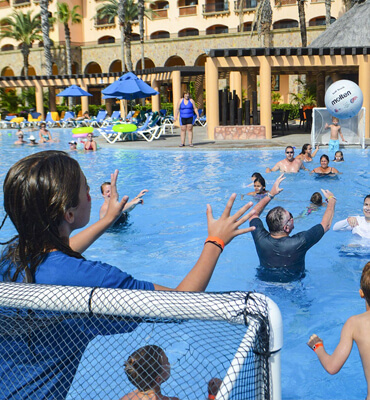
106 190
335 131
56 201
147 368
355 329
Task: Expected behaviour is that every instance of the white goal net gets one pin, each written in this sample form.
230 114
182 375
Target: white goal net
59 342
353 129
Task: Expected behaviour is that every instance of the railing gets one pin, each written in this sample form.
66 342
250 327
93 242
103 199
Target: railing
187 10
18 3
213 8
158 14
104 22
189 32
246 4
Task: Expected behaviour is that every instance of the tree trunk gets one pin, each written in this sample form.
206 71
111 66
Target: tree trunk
241 15
128 45
141 7
67 34
25 52
327 13
121 10
302 22
123 58
44 4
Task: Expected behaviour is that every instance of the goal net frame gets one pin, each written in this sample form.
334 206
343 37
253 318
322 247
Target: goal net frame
246 310
353 129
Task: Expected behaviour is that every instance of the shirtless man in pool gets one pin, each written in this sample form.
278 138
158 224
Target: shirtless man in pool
289 164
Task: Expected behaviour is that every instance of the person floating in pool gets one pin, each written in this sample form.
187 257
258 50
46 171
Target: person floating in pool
259 187
316 203
56 201
305 155
335 131
289 164
32 141
72 145
90 143
324 168
356 329
106 190
20 138
358 225
276 249
44 134
338 157
147 368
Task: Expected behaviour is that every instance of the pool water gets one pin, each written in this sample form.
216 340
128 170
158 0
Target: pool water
164 237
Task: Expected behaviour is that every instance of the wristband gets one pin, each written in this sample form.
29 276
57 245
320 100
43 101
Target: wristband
316 346
330 197
216 241
270 195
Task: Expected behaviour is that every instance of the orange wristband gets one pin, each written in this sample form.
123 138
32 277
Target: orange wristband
216 241
317 345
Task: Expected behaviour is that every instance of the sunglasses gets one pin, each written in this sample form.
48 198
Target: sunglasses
291 217
289 152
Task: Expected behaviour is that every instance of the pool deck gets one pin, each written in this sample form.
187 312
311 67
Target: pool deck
294 137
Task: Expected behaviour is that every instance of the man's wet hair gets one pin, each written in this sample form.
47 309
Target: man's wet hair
275 219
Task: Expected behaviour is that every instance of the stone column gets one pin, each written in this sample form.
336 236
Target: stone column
364 83
84 99
213 118
39 99
265 96
176 91
156 100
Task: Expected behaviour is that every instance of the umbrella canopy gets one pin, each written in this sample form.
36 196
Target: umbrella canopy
129 87
73 91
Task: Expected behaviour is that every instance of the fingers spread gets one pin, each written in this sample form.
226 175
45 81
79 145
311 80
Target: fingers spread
229 206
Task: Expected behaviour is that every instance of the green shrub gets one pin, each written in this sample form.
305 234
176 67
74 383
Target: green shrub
293 109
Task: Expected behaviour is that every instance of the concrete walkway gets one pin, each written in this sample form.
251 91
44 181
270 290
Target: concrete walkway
295 137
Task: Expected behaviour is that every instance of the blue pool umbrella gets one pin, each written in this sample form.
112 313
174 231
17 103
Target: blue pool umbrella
73 91
129 87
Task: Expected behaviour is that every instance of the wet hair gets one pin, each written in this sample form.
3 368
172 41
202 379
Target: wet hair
289 147
103 186
275 219
324 156
365 282
304 148
214 386
367 197
256 175
261 180
316 198
144 366
38 191
341 153
43 125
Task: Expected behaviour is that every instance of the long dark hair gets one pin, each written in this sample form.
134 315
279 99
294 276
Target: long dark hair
304 148
38 191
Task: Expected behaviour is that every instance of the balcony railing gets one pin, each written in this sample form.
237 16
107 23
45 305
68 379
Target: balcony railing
215 8
246 4
162 13
187 10
104 22
18 3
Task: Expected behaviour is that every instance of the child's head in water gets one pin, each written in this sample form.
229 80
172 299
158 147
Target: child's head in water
316 199
259 185
106 189
338 156
147 368
213 387
255 175
46 197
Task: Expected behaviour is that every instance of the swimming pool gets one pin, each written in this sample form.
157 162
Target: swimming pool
170 229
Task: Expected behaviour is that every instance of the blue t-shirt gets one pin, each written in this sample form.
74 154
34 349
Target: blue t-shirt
287 253
40 363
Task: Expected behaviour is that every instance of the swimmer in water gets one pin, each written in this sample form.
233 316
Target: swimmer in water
316 202
289 164
338 156
324 169
253 177
305 155
259 187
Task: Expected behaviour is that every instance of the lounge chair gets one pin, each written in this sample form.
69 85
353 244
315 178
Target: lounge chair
202 120
98 121
68 119
52 119
115 117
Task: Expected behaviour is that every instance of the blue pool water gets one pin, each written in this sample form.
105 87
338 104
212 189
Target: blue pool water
164 238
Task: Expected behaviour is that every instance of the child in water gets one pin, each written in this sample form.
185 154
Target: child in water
259 187
316 202
338 156
335 131
147 368
356 329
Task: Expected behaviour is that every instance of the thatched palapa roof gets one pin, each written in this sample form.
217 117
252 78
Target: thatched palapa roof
351 29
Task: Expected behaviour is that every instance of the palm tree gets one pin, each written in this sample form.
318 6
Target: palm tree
25 29
128 12
141 9
302 22
64 16
45 27
263 21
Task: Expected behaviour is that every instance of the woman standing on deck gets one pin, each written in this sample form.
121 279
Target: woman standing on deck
187 108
